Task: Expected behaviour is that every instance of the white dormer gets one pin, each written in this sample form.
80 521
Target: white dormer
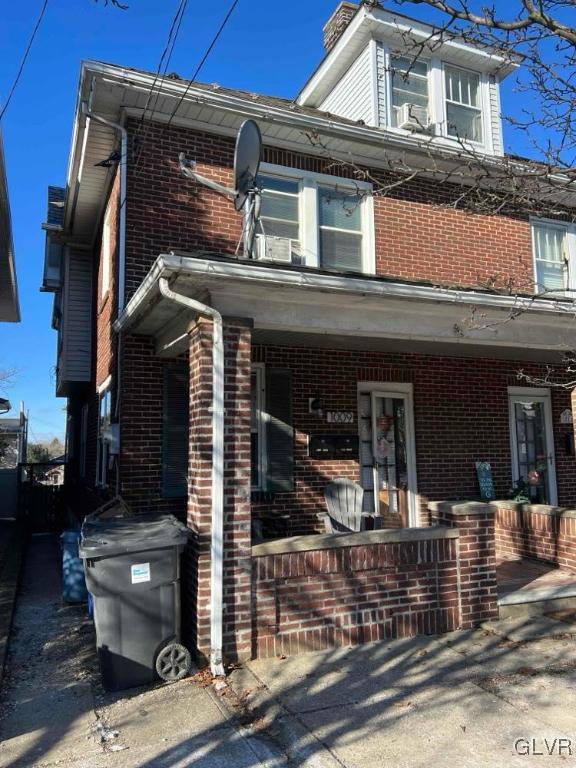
451 92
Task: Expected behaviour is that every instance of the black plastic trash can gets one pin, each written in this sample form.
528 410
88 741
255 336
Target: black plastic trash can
132 568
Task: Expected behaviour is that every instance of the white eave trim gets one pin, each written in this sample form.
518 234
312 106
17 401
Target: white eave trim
250 273
385 25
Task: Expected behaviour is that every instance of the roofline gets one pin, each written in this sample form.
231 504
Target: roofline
418 28
207 265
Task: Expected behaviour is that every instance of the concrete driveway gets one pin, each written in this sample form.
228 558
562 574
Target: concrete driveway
487 698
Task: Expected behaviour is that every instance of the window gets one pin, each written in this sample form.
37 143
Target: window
83 440
340 230
175 421
106 253
409 86
271 431
551 245
315 220
103 446
257 415
463 104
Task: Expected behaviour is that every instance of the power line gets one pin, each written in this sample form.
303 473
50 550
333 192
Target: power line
161 71
24 58
203 60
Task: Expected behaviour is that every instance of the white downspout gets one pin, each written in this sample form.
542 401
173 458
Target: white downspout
217 537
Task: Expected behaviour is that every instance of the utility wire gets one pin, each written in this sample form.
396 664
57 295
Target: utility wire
203 60
24 58
160 73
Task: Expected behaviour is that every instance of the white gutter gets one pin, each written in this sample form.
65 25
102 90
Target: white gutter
217 534
123 184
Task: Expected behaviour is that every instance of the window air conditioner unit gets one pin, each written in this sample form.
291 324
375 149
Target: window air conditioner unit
279 249
412 117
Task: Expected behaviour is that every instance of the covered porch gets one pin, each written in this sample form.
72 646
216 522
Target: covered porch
328 376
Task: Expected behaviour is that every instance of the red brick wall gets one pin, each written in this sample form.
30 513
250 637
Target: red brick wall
477 558
237 536
106 304
313 600
460 413
141 428
525 531
418 234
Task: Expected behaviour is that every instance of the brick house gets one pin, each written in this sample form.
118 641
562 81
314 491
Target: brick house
348 349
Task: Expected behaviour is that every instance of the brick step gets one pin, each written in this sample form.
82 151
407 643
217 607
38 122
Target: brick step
537 602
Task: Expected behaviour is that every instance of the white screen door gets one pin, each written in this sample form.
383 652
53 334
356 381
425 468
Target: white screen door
388 458
532 444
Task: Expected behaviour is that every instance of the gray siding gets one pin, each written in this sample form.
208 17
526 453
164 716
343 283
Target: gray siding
76 354
353 97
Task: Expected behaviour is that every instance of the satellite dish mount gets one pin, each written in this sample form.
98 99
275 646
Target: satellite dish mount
245 193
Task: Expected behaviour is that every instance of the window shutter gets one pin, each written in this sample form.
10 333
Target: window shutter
175 431
279 431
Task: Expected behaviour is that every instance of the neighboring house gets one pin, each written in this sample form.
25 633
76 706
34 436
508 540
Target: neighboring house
9 307
343 340
13 443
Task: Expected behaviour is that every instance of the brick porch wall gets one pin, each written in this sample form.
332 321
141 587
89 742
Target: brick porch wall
474 522
237 536
536 532
347 590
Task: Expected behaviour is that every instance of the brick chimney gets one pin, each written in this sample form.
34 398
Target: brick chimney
338 22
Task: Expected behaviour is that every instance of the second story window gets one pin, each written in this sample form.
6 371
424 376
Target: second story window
409 92
315 220
340 227
552 245
463 104
280 216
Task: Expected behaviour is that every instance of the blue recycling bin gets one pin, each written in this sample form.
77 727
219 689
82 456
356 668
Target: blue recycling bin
73 579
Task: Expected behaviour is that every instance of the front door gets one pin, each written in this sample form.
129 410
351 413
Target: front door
387 451
532 444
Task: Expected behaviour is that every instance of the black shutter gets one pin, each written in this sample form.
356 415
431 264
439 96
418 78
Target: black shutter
176 416
279 431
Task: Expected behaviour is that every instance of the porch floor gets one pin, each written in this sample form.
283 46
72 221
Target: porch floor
527 581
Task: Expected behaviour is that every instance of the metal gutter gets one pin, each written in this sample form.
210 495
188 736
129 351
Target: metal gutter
254 273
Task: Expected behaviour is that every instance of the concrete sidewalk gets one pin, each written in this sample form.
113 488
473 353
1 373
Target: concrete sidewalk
54 712
459 700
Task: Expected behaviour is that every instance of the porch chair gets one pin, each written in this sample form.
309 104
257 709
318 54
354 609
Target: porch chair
344 504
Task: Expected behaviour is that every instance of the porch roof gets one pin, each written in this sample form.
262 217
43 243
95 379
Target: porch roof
314 308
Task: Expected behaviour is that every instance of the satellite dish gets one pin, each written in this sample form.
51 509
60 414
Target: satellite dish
246 161
245 192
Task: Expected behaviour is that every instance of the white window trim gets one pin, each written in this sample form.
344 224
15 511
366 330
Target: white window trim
389 55
102 389
486 143
260 370
309 212
570 235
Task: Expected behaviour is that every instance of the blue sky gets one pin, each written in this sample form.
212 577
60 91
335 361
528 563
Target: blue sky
266 47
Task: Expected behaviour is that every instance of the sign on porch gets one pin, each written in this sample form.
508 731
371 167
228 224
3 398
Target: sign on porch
485 481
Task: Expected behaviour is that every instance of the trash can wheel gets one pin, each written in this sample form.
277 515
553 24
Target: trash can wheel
173 662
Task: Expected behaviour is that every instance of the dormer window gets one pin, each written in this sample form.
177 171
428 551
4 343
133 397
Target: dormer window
463 104
409 92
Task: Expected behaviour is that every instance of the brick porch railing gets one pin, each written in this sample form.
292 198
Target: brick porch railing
317 592
537 532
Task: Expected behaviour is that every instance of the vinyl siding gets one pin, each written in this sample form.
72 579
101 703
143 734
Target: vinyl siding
353 97
381 80
76 355
495 119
